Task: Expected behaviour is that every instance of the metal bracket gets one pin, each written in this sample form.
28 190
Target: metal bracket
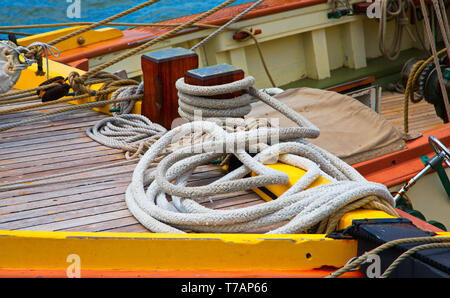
437 166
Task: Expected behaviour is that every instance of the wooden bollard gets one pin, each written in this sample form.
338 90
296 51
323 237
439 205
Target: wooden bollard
161 69
215 75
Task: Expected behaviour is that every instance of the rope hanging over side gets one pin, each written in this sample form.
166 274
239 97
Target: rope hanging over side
396 10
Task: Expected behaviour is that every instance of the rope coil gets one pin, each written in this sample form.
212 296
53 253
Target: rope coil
296 210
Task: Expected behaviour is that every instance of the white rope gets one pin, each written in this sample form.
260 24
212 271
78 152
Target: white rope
129 132
46 48
124 92
296 210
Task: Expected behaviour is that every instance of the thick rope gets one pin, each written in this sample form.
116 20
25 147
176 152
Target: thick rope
195 98
296 210
65 111
131 133
410 88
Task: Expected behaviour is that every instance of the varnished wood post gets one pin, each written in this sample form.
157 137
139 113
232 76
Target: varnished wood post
161 69
215 75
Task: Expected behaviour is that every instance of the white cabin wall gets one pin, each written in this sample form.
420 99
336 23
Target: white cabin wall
296 44
284 58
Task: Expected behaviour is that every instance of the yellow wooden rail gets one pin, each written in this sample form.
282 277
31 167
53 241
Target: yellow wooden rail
32 250
84 39
29 79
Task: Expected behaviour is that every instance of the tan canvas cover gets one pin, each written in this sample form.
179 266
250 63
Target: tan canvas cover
348 128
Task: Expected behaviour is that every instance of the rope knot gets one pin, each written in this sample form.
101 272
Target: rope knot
35 53
77 84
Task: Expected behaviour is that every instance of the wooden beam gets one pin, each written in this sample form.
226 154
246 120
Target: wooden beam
161 69
354 47
316 54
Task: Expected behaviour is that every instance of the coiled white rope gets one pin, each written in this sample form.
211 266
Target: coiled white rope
129 132
124 92
296 210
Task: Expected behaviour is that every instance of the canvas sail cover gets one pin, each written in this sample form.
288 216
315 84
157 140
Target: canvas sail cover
348 129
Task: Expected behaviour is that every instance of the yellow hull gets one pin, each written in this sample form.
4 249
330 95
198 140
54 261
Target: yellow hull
302 43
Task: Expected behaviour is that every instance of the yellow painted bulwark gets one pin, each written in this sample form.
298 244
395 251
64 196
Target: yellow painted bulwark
88 37
147 251
29 79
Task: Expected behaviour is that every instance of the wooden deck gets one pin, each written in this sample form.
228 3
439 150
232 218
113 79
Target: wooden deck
93 203
89 204
422 116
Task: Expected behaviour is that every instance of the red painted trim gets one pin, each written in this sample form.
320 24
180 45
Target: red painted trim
82 64
398 167
351 85
419 223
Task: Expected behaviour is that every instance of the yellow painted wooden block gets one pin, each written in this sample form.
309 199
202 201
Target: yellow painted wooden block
271 192
294 174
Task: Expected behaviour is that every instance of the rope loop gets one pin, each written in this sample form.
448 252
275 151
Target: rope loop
181 150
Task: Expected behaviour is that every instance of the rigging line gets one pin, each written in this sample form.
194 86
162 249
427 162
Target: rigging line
409 252
67 110
46 48
157 39
223 27
435 58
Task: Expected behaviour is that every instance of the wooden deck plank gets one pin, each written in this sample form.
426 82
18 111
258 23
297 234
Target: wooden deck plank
422 115
94 203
